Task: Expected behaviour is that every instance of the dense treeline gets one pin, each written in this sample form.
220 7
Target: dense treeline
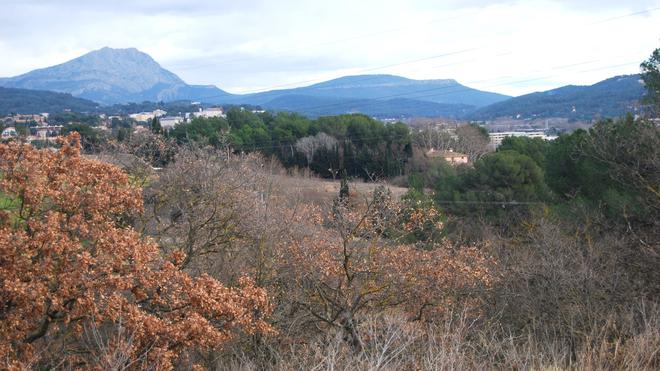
353 145
357 144
612 167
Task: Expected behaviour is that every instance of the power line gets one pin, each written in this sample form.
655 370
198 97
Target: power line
370 70
446 90
394 137
445 202
366 139
439 91
266 89
645 11
512 203
355 141
372 77
537 78
336 41
325 182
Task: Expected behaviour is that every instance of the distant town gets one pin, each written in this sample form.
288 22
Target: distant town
45 127
38 127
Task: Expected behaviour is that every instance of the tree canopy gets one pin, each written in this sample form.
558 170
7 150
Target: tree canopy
69 264
651 78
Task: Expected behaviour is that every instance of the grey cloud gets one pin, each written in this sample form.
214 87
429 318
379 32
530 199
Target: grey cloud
633 5
145 7
258 42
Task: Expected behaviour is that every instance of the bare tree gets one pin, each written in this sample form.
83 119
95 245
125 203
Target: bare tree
349 266
472 141
140 154
435 138
309 145
199 202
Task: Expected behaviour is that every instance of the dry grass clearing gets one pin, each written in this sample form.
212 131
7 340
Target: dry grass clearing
323 191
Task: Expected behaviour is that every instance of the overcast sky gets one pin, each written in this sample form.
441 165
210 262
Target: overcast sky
511 47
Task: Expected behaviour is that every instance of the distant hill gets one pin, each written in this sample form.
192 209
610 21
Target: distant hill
391 108
26 101
116 76
608 98
111 76
382 88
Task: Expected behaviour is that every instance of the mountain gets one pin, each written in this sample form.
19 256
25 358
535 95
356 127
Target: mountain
26 101
112 76
608 98
109 76
384 87
390 108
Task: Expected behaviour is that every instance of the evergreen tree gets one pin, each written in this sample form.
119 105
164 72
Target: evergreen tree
122 134
343 187
651 78
155 126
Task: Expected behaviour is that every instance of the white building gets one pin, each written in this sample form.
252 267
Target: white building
147 116
210 112
46 131
497 138
170 122
9 132
453 158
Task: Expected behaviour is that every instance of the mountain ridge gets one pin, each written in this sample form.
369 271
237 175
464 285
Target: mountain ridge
382 86
110 76
26 101
392 108
118 76
607 98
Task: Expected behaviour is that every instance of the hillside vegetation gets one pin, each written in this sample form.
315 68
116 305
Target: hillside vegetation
24 101
609 98
215 246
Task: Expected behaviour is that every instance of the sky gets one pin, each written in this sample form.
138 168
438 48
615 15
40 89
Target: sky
246 46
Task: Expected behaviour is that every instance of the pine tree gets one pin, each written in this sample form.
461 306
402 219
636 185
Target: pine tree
155 126
343 187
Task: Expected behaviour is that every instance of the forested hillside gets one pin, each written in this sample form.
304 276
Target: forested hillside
26 101
613 97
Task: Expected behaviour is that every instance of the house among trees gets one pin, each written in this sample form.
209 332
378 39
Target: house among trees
454 158
170 121
46 131
9 133
147 116
210 112
497 137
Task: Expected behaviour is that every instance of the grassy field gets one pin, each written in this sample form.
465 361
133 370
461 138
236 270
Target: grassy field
322 191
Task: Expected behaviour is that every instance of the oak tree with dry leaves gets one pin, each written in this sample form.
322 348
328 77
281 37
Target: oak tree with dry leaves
70 262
